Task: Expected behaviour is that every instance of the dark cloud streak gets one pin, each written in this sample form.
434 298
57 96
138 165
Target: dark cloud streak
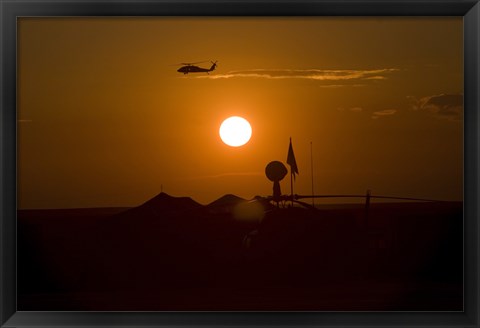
444 106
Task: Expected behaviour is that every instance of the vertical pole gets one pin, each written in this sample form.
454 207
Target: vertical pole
291 186
311 160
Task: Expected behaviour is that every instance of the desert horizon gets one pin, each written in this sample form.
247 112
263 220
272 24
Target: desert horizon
324 201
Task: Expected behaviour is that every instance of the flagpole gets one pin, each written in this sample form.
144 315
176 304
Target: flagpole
291 184
293 167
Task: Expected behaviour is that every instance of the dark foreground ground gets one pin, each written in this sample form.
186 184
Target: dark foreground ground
174 254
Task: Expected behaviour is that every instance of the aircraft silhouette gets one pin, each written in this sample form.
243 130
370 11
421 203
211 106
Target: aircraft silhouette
191 68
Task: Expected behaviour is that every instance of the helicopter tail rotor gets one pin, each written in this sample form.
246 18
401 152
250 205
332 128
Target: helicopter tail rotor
214 65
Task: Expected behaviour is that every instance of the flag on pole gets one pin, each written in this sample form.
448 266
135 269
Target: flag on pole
291 160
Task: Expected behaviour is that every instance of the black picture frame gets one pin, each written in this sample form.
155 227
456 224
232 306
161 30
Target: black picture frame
10 10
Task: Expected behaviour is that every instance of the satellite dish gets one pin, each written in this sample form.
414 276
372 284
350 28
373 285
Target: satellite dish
275 171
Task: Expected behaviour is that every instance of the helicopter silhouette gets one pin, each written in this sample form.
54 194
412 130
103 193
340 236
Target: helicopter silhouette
191 68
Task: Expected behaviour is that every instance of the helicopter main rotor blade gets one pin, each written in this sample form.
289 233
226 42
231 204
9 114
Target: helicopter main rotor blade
199 62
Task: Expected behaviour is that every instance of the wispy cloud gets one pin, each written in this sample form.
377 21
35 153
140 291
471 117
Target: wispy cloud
383 113
443 106
334 86
307 74
24 121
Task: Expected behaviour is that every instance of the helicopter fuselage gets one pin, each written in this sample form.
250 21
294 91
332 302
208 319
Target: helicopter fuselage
195 69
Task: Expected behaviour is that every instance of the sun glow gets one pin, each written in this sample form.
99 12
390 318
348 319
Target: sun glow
235 131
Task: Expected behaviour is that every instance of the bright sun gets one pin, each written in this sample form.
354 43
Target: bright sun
235 131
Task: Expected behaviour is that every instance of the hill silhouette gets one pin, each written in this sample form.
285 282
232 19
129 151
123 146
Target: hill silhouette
226 200
163 204
166 202
224 204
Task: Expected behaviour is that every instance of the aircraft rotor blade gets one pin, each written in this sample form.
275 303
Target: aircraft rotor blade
199 62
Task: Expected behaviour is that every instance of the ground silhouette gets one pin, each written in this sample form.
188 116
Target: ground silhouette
172 253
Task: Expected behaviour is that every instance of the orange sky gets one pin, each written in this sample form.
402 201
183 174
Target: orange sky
104 118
